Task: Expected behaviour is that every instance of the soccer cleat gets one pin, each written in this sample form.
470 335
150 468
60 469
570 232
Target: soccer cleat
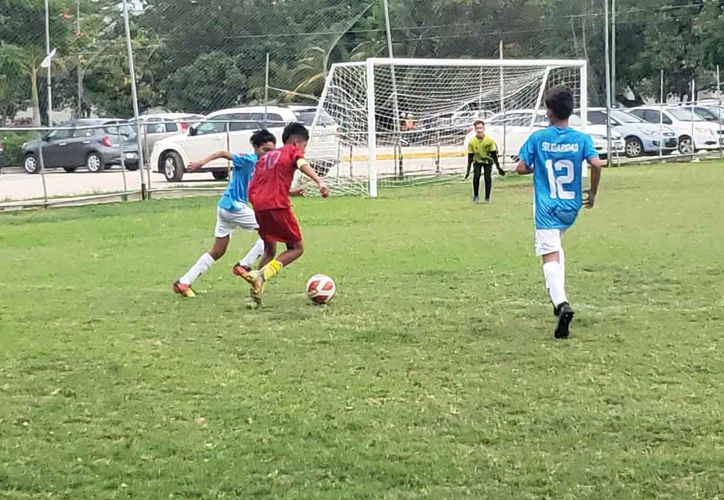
243 273
476 200
487 201
184 290
257 286
565 316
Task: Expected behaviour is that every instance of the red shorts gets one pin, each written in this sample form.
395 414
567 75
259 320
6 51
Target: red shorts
278 225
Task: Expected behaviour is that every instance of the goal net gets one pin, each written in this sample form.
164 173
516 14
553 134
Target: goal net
387 121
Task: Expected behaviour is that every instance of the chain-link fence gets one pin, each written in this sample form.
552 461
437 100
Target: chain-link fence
65 60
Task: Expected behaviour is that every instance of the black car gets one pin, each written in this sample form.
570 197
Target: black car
93 143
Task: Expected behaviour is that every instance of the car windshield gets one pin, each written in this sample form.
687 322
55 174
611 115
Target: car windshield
121 129
306 117
597 117
624 117
685 115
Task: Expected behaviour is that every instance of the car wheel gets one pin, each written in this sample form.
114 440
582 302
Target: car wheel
686 145
173 167
94 163
31 164
634 147
220 175
70 170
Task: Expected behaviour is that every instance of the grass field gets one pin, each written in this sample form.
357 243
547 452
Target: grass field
433 374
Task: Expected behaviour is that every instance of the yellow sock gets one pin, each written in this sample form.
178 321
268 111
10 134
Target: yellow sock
272 269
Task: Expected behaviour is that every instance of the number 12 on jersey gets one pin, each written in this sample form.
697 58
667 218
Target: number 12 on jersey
556 183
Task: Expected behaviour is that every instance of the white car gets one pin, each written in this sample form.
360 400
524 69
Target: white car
155 127
517 126
694 131
231 130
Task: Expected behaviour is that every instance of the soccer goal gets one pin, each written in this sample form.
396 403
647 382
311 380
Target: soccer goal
390 120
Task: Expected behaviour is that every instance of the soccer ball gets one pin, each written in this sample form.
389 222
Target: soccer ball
321 289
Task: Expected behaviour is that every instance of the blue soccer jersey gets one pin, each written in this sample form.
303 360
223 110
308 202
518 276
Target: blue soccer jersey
556 156
236 193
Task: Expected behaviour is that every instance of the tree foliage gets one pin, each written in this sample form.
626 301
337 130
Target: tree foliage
195 55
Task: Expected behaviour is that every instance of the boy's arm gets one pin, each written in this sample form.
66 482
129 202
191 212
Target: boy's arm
523 169
470 163
306 169
596 165
494 156
195 165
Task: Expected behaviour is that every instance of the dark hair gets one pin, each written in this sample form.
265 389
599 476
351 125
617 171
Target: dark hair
262 137
559 101
478 122
295 129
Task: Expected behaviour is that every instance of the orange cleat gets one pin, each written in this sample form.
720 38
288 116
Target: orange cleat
184 290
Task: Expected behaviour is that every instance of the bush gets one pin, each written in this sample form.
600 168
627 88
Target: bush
13 142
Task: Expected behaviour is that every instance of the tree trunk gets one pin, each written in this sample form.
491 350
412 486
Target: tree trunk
34 96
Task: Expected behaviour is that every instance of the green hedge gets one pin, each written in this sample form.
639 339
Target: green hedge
13 142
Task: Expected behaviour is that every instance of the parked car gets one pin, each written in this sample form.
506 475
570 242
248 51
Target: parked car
159 126
517 125
641 137
710 113
231 130
94 143
693 131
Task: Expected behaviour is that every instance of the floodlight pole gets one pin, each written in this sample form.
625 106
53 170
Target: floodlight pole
609 156
613 52
134 97
266 90
50 63
395 104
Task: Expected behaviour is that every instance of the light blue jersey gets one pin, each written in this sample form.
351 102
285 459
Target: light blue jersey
556 156
236 193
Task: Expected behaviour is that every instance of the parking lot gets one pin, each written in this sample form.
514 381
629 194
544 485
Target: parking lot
16 185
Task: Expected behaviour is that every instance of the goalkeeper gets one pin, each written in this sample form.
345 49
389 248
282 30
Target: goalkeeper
482 153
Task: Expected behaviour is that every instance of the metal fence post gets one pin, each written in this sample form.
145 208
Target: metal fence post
42 171
122 145
661 117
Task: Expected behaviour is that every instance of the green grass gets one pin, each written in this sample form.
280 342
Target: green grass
433 374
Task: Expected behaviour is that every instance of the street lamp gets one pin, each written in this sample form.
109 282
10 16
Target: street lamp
47 63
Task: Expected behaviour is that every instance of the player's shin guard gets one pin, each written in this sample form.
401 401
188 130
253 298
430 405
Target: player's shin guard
272 269
253 255
555 282
202 265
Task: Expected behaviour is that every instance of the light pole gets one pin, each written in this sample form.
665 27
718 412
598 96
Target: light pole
48 60
134 96
607 59
613 51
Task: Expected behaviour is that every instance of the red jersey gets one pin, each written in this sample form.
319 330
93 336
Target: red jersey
273 175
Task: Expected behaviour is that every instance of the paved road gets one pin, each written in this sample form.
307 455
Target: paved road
16 185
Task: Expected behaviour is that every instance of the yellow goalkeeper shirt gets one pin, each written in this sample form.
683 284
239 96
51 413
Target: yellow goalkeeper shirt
481 149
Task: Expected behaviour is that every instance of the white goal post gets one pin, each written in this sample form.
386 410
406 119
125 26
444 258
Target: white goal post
385 120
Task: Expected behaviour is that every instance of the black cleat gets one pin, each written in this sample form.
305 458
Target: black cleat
565 316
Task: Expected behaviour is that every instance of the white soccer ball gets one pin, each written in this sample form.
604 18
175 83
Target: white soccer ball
321 289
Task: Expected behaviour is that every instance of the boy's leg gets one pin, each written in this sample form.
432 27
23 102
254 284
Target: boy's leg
203 264
488 181
548 246
476 181
276 225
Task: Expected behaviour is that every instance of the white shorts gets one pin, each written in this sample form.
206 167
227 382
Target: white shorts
228 222
548 241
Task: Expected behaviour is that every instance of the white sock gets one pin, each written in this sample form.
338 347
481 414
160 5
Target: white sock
555 282
562 262
253 255
202 265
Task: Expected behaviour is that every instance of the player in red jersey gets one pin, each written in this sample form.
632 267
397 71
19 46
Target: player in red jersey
269 195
